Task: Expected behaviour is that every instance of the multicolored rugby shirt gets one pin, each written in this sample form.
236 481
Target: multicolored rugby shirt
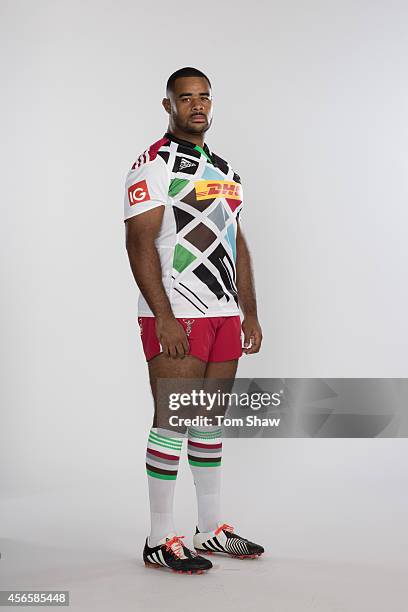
202 196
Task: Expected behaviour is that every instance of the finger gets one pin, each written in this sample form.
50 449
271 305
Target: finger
173 351
184 342
247 340
180 350
256 343
164 348
186 346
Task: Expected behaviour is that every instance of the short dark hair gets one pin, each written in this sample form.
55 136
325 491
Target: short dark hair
184 72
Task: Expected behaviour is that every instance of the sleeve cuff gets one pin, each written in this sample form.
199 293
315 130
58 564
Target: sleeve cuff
143 207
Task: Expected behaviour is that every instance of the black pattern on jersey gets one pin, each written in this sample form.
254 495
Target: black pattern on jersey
188 299
164 155
220 163
208 278
188 151
193 298
185 165
220 258
182 218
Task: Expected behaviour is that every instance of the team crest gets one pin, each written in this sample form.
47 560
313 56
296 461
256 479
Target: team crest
189 323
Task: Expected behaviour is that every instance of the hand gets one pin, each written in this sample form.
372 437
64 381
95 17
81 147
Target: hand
252 335
172 337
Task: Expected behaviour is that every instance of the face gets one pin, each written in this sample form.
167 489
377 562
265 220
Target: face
189 105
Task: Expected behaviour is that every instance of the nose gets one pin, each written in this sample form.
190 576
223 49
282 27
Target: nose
198 105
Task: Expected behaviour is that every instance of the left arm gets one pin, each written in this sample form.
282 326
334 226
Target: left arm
246 296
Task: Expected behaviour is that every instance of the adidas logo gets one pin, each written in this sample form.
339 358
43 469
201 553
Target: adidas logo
185 163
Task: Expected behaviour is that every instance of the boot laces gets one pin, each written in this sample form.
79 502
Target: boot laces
224 527
175 545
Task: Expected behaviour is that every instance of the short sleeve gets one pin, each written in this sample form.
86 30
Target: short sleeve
237 179
146 187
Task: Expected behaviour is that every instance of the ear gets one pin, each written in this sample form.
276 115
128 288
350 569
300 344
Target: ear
166 105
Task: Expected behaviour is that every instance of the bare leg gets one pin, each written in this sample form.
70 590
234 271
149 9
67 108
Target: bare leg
163 366
221 369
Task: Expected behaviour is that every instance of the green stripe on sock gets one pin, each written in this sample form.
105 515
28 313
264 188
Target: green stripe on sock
170 442
168 446
161 476
206 435
210 431
204 432
205 463
198 434
166 438
203 438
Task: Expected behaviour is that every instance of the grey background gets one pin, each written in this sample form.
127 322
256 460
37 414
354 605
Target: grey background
310 108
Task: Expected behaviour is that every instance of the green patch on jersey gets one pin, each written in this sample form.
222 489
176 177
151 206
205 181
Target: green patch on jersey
182 258
176 185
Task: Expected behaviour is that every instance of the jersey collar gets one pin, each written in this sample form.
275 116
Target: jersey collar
191 145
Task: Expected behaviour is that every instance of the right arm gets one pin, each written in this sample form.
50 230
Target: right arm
141 232
146 195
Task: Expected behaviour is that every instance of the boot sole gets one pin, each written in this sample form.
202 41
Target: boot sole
208 552
189 572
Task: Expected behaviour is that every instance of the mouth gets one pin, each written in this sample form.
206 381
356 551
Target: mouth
198 118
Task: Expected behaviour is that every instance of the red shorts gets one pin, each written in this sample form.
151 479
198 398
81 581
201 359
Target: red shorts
210 338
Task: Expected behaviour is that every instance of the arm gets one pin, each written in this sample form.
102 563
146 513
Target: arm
141 232
246 296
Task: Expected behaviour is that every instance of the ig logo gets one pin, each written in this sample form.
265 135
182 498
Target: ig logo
138 193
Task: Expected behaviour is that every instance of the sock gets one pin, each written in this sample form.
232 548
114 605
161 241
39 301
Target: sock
204 457
162 461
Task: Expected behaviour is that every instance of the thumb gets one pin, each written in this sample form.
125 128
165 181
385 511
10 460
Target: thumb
247 339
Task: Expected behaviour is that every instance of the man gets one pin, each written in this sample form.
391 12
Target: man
192 265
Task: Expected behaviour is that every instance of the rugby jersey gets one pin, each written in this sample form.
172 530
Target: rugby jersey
202 199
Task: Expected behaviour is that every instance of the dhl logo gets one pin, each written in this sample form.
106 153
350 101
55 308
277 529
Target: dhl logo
218 189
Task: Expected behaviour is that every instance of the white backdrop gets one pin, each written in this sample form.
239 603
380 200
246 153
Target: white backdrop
310 109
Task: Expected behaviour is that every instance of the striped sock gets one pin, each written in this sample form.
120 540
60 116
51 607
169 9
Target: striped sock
204 457
162 460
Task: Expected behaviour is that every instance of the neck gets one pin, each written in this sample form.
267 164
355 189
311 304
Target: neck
197 139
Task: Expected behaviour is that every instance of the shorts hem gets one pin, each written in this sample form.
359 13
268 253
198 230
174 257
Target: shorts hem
233 358
195 316
200 357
